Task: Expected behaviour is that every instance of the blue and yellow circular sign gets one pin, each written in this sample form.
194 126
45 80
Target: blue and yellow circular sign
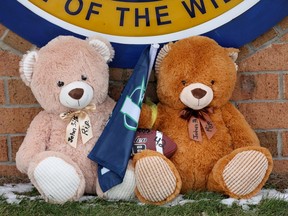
132 24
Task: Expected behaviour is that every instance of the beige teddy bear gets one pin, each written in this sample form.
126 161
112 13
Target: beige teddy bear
69 78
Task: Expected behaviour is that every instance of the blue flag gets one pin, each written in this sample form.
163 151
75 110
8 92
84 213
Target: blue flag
112 151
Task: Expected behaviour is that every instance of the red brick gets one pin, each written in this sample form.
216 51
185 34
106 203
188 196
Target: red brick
4 148
10 170
285 78
244 51
284 23
9 64
2 29
284 38
16 142
152 76
127 74
16 120
17 42
280 166
115 74
285 144
2 95
265 115
151 92
269 141
256 86
270 34
19 93
115 90
272 58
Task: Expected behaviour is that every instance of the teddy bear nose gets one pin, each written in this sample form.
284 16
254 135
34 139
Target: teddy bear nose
76 93
198 93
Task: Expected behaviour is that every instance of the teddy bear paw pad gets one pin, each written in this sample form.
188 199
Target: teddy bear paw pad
154 179
57 180
245 172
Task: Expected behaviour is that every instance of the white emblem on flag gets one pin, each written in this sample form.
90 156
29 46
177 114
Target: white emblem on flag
131 109
104 170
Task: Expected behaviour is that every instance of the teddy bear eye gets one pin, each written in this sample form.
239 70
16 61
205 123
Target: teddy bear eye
212 82
183 82
60 83
83 77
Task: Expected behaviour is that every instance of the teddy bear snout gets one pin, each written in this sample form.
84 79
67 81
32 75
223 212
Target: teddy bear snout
76 93
196 96
198 93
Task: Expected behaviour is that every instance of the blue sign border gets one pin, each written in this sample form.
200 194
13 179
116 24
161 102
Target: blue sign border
236 33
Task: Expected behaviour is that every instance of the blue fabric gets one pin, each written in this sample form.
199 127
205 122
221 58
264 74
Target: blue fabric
113 148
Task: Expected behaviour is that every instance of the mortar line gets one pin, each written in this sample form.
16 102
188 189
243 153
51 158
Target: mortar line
13 134
261 101
271 130
251 73
6 92
10 78
9 145
12 163
4 34
279 144
11 106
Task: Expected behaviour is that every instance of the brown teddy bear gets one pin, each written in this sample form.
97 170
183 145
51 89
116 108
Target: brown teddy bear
69 78
217 149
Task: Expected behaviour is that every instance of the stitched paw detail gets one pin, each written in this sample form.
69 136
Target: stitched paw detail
154 179
57 180
243 174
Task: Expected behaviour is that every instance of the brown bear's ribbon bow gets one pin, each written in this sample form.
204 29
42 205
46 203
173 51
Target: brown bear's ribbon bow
195 119
78 120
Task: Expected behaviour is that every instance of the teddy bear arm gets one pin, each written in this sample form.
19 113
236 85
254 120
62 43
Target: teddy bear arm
241 132
34 142
145 120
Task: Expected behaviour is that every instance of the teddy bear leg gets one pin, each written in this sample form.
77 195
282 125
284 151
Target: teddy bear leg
56 177
157 179
123 191
242 173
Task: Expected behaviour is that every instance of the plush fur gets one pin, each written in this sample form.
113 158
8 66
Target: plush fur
68 60
201 164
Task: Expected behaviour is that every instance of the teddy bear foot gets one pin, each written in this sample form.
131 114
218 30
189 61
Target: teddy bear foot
157 179
123 191
57 180
245 171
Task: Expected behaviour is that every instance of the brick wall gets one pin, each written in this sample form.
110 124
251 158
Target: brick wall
261 93
262 90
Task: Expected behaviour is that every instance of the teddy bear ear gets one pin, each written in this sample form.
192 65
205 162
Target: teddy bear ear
233 53
161 55
26 66
103 47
